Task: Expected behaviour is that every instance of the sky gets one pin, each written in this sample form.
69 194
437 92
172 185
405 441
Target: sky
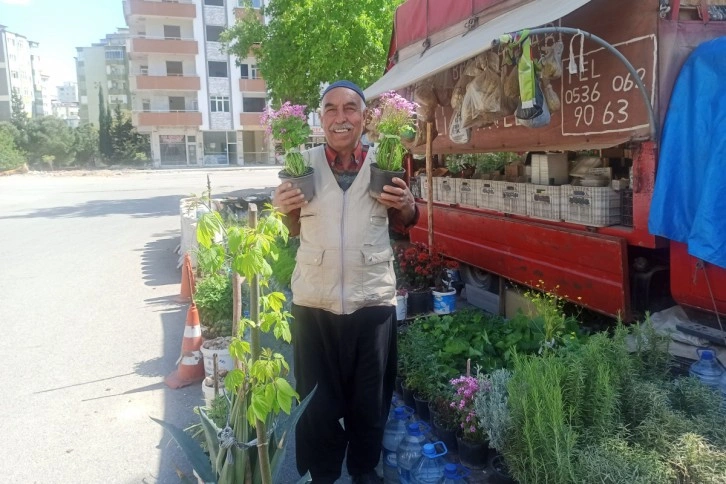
59 26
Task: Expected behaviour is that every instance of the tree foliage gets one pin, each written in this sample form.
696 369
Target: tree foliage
127 145
18 115
309 42
11 156
104 127
86 143
51 141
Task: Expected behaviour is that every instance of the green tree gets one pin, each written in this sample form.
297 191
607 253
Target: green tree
86 143
308 43
18 116
128 145
50 139
105 146
11 156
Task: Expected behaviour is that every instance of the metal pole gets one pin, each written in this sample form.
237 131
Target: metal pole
429 182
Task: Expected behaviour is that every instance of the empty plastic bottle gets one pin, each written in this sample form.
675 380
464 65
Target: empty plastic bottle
430 467
393 433
455 474
409 450
707 368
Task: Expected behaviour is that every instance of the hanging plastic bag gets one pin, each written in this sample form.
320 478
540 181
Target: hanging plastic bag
420 138
443 87
426 99
543 118
457 96
551 97
457 132
551 61
510 91
530 106
482 103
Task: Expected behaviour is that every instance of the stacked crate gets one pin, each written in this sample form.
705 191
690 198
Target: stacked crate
593 206
513 198
445 191
488 194
423 184
550 169
466 191
543 202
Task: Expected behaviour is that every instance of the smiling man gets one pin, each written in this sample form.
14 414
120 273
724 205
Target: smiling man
343 286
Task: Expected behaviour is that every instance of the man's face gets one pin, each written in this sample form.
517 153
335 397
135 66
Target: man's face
342 118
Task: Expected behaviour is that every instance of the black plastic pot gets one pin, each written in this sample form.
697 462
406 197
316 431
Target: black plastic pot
445 435
419 302
306 183
498 469
380 178
474 455
422 408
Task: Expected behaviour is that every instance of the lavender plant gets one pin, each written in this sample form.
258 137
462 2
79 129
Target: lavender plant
491 406
289 126
392 120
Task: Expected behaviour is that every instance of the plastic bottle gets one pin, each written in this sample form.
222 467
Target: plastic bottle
409 450
707 368
430 467
455 474
393 433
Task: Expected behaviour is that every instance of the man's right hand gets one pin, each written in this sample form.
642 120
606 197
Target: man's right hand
287 198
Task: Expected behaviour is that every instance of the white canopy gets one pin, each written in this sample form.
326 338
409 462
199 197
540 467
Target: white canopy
456 50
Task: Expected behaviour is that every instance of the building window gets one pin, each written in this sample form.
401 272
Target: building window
172 32
146 105
174 68
219 104
253 104
249 71
114 54
217 69
216 3
213 32
176 103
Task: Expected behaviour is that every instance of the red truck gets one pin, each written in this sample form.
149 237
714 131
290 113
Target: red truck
616 270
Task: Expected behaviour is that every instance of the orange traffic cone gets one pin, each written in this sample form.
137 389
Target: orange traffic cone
187 280
191 363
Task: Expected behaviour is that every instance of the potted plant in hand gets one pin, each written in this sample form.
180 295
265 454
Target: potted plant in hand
392 120
289 127
472 439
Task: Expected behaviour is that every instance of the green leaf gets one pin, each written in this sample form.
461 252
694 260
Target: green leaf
234 379
198 459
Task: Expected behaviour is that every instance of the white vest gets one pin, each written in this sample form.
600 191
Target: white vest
345 259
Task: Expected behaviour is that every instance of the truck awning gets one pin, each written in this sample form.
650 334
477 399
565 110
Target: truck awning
456 50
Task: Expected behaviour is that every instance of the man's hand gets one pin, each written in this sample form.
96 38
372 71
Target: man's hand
398 196
286 198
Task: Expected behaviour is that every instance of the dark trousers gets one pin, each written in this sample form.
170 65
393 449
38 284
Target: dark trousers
352 360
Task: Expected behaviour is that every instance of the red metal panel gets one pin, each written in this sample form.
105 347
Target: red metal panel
444 14
589 268
410 22
690 281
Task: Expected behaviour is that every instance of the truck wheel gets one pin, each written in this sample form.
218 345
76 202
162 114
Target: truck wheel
476 277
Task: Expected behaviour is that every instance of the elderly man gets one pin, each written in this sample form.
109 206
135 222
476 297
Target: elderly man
343 286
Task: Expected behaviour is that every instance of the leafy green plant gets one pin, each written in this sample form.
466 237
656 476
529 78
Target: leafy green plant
260 393
557 327
213 297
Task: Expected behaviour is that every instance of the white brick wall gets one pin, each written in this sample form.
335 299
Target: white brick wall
218 86
214 52
221 122
214 15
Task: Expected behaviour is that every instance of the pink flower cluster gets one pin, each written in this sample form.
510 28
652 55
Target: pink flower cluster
393 114
466 389
287 110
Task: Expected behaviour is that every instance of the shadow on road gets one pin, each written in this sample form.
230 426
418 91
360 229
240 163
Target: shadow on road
158 260
137 207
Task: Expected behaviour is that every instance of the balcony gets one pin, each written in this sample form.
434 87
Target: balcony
250 121
145 45
167 118
165 83
252 85
166 9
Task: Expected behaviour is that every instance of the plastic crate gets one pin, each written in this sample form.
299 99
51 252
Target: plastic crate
550 169
424 187
626 207
593 206
488 194
445 191
513 198
543 202
466 191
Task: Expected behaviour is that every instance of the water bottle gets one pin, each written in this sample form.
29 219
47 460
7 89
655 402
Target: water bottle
455 474
707 368
409 450
430 467
393 433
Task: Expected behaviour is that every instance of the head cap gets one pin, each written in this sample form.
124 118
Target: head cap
346 84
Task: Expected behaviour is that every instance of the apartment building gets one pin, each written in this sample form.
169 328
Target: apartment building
200 105
103 65
67 93
16 72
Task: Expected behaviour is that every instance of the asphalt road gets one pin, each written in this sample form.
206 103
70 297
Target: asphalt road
89 323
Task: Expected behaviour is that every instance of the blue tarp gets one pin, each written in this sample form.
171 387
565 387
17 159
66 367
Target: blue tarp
689 201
